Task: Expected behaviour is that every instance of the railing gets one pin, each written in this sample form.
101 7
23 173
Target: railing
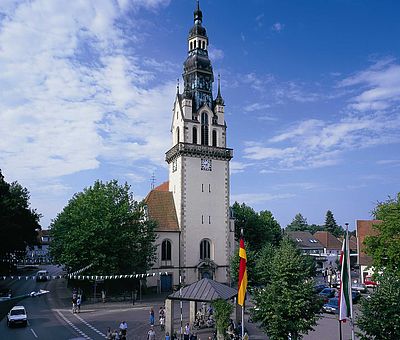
196 150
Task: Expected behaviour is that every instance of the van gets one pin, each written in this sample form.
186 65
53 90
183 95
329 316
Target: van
42 275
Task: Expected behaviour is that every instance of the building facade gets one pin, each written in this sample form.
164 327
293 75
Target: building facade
199 177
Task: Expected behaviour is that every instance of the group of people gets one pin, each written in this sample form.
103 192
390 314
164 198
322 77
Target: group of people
235 331
76 301
118 334
204 319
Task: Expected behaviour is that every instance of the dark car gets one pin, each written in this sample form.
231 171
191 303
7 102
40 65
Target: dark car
42 275
327 293
355 296
332 306
5 294
360 287
320 287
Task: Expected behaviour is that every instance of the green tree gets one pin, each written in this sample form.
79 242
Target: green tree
259 228
252 257
299 223
332 226
380 314
287 305
385 246
222 312
104 226
18 222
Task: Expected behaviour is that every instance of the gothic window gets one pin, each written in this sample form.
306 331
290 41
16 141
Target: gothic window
194 132
194 43
205 250
204 45
204 128
214 138
177 134
166 250
191 46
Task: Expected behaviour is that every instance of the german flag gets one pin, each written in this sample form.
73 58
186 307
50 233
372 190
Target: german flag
242 273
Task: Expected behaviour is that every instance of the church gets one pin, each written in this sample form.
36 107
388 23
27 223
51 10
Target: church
195 233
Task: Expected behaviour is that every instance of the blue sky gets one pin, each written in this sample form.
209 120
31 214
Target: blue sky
312 93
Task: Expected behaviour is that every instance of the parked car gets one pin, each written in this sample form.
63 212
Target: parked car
318 288
359 287
369 283
327 293
5 294
17 316
332 306
42 275
355 296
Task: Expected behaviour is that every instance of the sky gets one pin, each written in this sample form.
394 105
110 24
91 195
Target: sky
311 88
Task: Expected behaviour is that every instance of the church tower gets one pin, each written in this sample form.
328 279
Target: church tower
199 166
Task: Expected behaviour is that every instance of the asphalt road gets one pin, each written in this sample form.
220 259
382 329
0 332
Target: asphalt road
50 316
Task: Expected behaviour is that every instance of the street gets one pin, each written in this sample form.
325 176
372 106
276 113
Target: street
50 316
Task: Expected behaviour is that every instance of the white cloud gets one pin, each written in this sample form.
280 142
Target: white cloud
278 27
255 198
379 86
215 53
256 107
71 96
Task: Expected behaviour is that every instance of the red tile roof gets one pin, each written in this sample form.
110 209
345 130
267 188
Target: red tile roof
365 228
161 208
163 187
328 240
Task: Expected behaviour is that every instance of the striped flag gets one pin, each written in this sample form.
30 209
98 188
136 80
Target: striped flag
345 299
242 273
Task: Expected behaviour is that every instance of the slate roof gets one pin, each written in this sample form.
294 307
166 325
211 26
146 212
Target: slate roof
304 240
161 208
328 240
205 290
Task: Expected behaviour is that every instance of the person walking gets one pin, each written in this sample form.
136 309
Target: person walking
109 334
186 333
151 317
151 334
78 303
123 329
74 300
167 337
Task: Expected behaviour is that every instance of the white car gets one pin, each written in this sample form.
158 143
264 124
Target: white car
17 316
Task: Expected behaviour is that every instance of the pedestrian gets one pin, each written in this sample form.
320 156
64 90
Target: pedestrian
109 334
162 322
78 304
245 336
167 337
103 295
74 300
123 329
151 317
151 335
186 333
193 336
116 335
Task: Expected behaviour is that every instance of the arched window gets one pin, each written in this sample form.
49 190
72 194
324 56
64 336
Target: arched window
166 250
194 44
177 134
194 133
214 138
205 250
204 128
204 45
191 46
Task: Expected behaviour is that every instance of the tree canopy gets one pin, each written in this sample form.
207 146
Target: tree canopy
331 225
105 227
299 223
385 246
286 305
380 314
259 228
18 222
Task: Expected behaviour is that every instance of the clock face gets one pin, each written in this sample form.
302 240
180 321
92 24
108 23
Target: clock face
206 164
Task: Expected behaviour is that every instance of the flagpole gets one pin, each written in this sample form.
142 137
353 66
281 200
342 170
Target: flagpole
340 329
242 330
349 275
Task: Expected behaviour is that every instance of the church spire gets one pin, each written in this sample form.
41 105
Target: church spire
198 15
219 100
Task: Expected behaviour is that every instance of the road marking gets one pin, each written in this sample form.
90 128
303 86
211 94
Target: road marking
73 326
90 326
34 334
